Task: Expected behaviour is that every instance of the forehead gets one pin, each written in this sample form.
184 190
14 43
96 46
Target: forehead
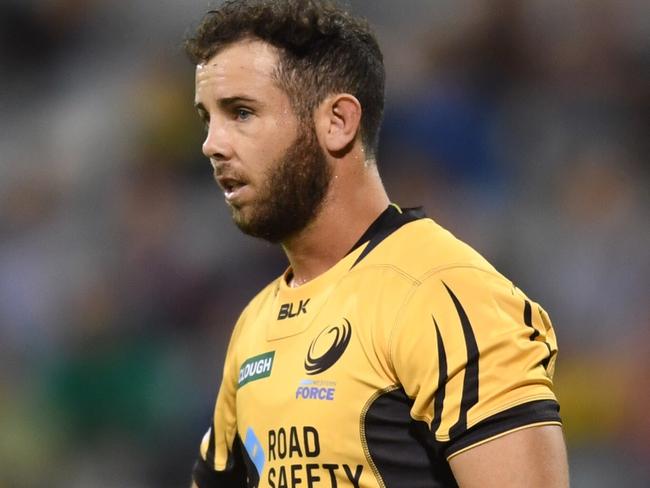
244 65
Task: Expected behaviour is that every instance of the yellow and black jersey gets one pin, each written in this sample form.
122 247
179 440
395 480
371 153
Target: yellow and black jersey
408 351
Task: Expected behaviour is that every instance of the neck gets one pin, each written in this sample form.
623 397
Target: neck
353 202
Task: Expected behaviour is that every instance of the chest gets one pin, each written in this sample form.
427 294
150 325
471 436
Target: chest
320 367
315 362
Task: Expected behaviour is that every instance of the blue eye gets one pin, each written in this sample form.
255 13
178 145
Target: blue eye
243 114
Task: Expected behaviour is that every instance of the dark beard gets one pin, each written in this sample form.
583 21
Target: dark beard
293 192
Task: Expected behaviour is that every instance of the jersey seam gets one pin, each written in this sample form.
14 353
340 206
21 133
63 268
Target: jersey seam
362 431
421 418
417 282
501 434
397 322
446 267
503 408
399 271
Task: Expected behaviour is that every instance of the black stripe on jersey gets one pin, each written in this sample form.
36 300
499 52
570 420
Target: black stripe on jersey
388 222
547 359
233 476
528 320
470 382
442 381
400 450
536 412
551 351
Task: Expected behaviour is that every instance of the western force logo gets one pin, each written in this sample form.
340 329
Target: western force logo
316 390
338 337
256 368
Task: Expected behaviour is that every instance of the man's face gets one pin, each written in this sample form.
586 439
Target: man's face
271 167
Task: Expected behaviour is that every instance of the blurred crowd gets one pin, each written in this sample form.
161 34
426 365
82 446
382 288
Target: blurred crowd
520 126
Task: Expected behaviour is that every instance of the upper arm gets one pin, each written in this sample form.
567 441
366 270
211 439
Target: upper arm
476 356
534 457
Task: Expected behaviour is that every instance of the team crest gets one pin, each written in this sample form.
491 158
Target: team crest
333 340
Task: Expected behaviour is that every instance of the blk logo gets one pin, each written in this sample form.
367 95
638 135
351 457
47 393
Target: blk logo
338 338
286 310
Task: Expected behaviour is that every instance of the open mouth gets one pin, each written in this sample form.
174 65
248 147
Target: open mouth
231 187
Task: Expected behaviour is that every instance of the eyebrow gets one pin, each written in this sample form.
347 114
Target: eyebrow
227 102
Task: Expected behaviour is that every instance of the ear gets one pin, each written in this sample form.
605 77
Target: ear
338 120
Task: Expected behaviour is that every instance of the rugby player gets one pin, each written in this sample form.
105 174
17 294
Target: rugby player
390 353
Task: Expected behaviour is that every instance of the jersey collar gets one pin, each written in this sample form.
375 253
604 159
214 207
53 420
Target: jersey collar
388 222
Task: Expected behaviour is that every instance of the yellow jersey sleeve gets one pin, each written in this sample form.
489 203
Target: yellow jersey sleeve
221 461
476 357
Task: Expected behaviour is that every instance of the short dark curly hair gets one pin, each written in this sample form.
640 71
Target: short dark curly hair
323 49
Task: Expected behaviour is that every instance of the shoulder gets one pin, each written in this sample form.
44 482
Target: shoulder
423 248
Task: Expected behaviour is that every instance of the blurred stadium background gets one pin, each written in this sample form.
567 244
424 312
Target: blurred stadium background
520 125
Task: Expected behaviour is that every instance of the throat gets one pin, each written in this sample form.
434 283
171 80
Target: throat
294 282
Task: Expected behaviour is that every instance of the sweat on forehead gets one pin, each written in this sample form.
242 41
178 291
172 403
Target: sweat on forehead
241 74
248 56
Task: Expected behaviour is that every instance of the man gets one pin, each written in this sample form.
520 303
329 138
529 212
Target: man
389 354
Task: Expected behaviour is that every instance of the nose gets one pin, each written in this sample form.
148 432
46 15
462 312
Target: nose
216 145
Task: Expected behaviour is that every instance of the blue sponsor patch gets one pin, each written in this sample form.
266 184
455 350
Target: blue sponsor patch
255 450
